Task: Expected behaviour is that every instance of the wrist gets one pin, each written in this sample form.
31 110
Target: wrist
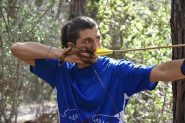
54 53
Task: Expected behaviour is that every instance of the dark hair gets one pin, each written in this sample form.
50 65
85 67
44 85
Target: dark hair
70 31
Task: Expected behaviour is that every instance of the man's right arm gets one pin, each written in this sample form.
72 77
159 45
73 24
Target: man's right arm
29 51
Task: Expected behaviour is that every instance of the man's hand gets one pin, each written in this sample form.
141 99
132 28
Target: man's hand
77 55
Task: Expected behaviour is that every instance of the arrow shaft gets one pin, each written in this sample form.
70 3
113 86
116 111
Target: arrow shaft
116 51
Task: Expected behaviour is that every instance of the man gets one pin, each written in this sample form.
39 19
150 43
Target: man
91 88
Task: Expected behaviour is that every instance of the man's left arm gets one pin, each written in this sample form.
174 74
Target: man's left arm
168 71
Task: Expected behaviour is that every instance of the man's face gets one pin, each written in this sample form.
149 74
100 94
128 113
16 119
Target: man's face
91 39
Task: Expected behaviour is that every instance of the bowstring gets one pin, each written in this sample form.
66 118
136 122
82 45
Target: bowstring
107 93
98 75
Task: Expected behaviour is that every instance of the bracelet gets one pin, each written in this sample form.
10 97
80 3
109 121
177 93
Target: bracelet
48 52
183 68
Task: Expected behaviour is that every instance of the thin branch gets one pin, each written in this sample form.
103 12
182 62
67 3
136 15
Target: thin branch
43 15
15 92
9 20
3 112
59 8
3 15
2 79
4 20
163 106
13 7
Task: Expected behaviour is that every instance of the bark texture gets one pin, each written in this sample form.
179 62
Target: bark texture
77 8
94 11
178 37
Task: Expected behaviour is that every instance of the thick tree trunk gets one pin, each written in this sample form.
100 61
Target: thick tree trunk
77 8
178 37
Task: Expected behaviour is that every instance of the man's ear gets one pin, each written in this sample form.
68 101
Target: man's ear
70 44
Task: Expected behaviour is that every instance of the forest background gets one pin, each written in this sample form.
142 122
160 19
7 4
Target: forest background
125 24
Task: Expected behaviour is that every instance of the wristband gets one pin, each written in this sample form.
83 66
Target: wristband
183 68
48 52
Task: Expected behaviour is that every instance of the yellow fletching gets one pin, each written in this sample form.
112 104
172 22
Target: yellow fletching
103 52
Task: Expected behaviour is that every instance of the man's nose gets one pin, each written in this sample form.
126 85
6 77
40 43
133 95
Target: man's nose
95 45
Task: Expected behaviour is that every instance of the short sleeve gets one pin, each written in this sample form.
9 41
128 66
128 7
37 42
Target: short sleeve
46 70
134 78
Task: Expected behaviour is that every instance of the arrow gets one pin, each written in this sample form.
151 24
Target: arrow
107 51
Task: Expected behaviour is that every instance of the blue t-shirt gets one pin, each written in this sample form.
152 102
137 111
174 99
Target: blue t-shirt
80 94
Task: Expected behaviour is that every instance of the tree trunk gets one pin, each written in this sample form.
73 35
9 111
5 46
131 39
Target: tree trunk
59 8
94 11
77 8
38 3
178 37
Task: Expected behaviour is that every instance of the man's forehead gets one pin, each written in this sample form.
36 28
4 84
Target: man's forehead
89 33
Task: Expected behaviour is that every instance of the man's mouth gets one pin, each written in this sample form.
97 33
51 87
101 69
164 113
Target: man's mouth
94 56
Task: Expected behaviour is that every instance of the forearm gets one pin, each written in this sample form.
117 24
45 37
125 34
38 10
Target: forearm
32 50
168 71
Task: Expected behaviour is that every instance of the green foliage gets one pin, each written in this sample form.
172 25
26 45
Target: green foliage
135 24
24 22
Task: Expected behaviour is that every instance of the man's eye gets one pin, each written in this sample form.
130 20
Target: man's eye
98 39
87 41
